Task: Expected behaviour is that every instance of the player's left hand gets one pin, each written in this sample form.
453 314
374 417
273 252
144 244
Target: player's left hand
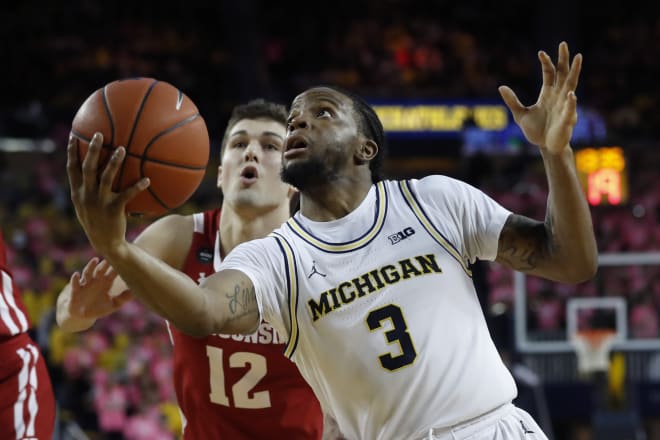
549 122
91 294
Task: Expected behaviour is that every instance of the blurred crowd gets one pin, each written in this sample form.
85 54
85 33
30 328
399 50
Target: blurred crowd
223 52
116 378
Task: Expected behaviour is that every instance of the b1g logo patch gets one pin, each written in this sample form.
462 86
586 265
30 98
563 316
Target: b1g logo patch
401 235
205 255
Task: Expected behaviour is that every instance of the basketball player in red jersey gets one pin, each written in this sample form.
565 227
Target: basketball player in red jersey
228 386
27 404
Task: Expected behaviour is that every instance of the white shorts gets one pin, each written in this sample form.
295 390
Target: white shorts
506 422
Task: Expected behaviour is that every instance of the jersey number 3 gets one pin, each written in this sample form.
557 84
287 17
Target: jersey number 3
241 389
398 334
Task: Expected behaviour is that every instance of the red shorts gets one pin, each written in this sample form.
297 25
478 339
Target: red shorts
27 404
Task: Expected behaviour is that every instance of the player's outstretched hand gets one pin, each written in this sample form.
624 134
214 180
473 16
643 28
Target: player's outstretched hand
101 211
549 122
91 291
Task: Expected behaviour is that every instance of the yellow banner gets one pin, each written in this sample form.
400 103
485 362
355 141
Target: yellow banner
446 118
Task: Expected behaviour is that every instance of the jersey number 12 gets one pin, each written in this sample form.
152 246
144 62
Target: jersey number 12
241 389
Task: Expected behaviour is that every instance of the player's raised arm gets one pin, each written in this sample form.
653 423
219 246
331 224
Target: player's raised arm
563 248
193 309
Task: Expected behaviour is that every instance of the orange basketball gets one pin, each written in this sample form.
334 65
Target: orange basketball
164 135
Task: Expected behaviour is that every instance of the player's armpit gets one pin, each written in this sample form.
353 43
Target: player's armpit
233 302
331 428
524 245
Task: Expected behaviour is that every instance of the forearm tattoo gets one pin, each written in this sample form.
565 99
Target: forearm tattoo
523 243
242 302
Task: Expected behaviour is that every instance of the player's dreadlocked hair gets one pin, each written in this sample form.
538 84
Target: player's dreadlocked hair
369 125
255 109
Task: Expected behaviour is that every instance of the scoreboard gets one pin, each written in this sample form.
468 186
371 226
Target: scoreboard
603 175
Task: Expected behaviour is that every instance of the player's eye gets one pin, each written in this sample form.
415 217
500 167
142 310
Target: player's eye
323 112
271 147
239 145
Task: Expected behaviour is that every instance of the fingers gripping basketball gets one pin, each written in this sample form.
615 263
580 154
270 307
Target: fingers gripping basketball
165 137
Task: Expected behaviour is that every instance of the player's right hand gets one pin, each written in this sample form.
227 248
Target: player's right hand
91 291
101 211
549 122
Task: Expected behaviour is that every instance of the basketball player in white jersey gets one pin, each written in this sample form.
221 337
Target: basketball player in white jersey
369 282
223 382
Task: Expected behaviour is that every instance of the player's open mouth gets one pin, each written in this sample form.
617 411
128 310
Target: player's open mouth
294 145
249 175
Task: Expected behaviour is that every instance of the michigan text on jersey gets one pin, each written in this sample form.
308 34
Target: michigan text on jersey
369 282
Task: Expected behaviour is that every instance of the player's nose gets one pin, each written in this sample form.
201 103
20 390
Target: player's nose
252 151
298 122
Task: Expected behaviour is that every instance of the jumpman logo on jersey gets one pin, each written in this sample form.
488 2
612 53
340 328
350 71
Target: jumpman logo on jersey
315 271
525 429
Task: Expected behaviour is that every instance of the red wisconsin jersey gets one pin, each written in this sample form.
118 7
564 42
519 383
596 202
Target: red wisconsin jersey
13 315
237 387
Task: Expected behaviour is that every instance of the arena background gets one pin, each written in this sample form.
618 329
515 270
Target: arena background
432 69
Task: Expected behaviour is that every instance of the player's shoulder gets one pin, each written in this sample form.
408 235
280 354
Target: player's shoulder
173 223
285 230
268 247
436 184
187 223
263 244
168 238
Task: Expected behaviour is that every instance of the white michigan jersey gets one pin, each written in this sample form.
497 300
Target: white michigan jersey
379 308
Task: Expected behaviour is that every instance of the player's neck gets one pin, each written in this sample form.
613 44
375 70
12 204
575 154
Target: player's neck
238 227
333 201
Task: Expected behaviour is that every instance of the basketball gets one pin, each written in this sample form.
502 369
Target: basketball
164 135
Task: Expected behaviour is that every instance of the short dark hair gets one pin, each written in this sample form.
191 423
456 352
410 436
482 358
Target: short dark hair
370 126
255 109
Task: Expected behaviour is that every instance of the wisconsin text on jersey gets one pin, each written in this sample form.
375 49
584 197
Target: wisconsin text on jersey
264 335
370 282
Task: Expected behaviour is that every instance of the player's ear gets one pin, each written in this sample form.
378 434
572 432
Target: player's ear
219 181
367 150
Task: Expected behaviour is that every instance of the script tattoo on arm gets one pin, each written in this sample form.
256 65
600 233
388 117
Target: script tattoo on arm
524 243
242 302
